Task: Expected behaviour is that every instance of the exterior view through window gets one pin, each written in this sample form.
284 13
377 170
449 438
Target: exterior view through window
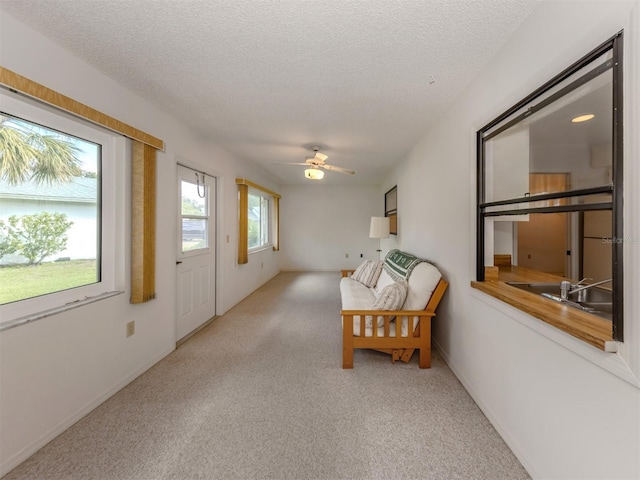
258 221
49 210
195 215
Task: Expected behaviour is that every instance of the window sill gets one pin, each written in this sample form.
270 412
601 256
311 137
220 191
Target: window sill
53 311
260 249
589 328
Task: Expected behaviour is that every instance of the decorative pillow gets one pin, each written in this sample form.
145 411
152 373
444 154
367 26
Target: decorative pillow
392 296
367 273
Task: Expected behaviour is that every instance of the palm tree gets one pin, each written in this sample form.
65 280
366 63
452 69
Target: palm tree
28 152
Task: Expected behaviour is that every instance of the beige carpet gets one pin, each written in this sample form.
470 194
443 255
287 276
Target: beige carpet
260 393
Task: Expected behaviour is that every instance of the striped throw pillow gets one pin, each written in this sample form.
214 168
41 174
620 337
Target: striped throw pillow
367 273
392 296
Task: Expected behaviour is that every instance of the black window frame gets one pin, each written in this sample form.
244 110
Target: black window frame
615 45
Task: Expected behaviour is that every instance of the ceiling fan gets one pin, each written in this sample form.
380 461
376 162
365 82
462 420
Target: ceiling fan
317 163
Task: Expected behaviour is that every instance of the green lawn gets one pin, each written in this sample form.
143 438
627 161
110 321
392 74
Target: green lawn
20 282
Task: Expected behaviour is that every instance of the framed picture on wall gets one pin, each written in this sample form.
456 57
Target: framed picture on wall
391 209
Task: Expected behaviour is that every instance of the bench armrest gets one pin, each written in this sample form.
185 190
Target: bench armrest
397 313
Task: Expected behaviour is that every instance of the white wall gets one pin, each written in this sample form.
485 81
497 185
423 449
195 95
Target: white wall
81 214
566 409
322 224
57 369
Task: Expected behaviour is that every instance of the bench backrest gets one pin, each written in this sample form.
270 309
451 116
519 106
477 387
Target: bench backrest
422 278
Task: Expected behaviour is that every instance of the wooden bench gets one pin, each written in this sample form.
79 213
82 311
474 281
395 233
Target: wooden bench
399 347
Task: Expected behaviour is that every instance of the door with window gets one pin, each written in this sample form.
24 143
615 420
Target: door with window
196 259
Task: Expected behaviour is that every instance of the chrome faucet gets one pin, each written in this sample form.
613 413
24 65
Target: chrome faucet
567 288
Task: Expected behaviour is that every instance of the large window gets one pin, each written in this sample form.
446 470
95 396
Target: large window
258 221
550 189
56 239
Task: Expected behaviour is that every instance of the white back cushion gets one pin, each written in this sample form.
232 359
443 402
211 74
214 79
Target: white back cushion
422 282
383 280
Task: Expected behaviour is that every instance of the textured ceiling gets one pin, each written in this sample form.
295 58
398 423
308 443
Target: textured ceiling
268 79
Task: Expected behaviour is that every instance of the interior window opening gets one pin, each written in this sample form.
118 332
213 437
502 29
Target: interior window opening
550 190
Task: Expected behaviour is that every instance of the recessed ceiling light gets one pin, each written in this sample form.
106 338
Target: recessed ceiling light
582 118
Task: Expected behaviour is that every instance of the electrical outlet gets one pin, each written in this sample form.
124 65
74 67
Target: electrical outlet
346 255
361 255
261 264
131 328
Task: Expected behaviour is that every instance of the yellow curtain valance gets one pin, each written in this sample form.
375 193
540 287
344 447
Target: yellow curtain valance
249 183
17 82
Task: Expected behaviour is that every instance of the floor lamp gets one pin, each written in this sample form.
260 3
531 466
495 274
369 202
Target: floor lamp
379 229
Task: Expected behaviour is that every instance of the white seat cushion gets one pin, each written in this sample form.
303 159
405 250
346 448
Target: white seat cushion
355 296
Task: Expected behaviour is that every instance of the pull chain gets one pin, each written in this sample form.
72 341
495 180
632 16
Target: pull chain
204 190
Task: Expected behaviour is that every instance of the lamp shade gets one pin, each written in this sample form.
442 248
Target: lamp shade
379 227
314 173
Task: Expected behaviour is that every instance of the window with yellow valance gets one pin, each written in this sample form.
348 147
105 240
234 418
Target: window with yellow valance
143 205
244 186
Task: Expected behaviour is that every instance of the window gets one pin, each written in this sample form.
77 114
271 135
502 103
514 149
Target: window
56 239
260 215
550 189
258 221
194 211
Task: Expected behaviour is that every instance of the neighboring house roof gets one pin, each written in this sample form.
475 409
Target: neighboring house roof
80 190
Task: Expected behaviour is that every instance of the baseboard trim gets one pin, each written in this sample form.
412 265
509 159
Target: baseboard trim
196 330
515 447
45 438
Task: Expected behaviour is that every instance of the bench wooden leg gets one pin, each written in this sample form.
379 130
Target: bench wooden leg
425 343
395 354
347 357
347 342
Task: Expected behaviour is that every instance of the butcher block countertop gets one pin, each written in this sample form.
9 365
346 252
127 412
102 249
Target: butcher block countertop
590 328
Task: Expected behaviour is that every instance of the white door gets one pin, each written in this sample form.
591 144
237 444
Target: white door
196 260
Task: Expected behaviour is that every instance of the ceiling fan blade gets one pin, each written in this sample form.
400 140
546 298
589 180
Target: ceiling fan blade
320 157
333 168
286 163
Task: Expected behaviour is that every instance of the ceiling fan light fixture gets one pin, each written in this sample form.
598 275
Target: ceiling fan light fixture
313 174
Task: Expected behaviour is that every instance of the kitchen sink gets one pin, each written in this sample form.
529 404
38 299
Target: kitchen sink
594 300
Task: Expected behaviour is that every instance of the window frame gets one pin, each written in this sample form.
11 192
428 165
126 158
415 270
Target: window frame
520 111
106 219
182 176
265 198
